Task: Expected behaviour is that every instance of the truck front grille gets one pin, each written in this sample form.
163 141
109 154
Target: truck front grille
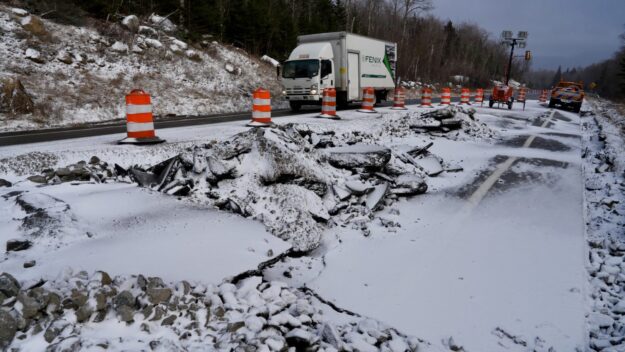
297 91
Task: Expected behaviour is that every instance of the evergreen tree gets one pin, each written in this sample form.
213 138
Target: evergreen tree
557 77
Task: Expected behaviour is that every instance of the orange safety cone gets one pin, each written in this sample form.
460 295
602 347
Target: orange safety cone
261 109
139 119
426 98
479 96
368 99
446 96
328 104
543 96
465 95
399 99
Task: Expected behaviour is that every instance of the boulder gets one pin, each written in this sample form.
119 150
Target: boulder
8 285
19 12
5 183
34 25
148 31
158 295
18 245
126 314
54 329
124 298
370 157
37 179
34 55
8 328
119 47
29 264
131 23
64 57
13 97
409 184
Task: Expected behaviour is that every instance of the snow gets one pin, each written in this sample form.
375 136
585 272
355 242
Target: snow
32 54
119 47
129 224
272 61
19 12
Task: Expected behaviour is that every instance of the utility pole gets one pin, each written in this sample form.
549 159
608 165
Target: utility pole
508 39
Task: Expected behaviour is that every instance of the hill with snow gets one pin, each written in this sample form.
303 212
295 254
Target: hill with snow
75 75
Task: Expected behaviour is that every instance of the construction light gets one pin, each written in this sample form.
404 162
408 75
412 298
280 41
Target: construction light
522 35
507 35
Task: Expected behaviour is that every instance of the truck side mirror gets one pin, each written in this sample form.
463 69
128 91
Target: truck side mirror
278 72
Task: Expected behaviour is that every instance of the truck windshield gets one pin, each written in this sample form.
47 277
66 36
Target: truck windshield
300 69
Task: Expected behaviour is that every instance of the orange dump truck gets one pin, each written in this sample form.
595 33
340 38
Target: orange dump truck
567 95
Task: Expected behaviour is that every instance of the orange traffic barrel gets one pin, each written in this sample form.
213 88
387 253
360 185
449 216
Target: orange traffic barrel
446 96
426 98
139 119
479 96
261 108
465 96
328 104
368 100
399 99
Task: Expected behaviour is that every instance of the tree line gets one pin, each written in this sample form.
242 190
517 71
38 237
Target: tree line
430 50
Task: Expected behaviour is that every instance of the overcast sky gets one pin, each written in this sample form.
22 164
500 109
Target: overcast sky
561 32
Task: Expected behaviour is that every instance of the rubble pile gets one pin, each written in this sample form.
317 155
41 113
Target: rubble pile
93 171
297 182
604 194
450 119
82 311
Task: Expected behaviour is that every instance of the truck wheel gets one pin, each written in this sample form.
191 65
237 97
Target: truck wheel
510 105
552 104
295 106
577 108
491 103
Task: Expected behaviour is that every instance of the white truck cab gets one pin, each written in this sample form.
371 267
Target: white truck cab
340 60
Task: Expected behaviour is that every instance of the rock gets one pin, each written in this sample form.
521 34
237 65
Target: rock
193 55
453 123
100 301
34 25
430 165
600 320
30 264
94 160
125 314
124 298
148 32
18 245
441 114
37 179
19 12
5 183
119 47
131 23
8 328
331 336
63 171
370 157
13 97
409 184
234 327
30 306
34 55
83 313
300 339
66 344
169 320
341 192
358 188
158 295
374 198
229 68
64 57
162 23
619 308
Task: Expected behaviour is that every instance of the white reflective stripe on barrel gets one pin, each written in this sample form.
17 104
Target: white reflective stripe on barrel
261 114
329 99
262 101
140 127
138 109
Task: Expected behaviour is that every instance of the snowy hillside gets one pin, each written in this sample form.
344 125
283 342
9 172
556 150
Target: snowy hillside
81 74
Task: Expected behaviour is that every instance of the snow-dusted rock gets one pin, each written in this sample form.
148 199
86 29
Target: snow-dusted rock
148 32
153 43
371 157
34 25
273 62
34 55
19 12
13 97
193 55
64 57
119 47
131 23
162 23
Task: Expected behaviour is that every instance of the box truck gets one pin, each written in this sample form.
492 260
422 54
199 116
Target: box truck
340 60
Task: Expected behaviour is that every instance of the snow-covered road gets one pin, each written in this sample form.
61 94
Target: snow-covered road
492 257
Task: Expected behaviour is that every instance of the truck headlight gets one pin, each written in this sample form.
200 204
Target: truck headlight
284 92
313 91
